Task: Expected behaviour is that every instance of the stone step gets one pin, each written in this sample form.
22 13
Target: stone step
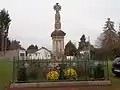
75 84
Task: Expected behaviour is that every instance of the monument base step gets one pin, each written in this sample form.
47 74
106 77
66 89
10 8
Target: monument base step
43 85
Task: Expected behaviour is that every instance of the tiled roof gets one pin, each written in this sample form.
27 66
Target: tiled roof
58 33
45 49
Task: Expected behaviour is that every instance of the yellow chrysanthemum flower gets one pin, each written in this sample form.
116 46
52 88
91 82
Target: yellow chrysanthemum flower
70 73
53 75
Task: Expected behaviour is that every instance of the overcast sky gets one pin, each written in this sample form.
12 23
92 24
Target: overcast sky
33 20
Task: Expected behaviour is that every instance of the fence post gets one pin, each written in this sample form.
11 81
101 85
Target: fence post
13 79
107 69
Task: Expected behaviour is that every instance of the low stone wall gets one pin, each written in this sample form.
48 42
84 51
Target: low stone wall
57 85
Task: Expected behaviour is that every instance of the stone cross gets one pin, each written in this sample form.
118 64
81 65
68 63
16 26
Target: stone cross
57 7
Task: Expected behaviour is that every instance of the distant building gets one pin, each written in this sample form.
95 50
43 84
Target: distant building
18 53
22 54
42 53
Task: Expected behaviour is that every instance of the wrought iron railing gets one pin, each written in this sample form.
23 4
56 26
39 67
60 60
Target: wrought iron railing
65 70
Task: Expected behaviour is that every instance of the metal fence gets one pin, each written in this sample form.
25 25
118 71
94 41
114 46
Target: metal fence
65 70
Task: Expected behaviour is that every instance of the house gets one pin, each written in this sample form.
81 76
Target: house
22 54
42 53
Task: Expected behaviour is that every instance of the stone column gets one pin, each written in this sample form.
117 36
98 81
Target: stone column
63 46
57 8
52 46
59 45
56 46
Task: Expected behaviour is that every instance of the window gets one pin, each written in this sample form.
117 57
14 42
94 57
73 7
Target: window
21 54
48 55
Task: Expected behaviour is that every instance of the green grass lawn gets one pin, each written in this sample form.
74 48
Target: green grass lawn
5 73
6 77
